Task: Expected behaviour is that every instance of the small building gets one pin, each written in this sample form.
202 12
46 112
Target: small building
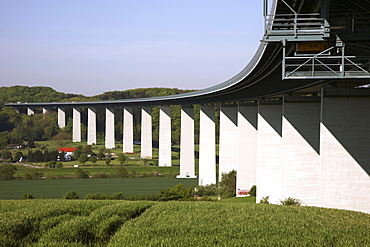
68 153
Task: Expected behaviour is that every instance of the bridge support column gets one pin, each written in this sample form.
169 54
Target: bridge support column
344 150
207 146
187 169
61 117
44 111
301 137
228 139
146 133
76 135
109 128
128 130
30 111
269 151
247 147
164 136
91 126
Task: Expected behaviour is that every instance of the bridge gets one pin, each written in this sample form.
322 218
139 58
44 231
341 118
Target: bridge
294 121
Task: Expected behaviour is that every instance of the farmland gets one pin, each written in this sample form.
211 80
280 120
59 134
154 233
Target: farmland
123 223
55 189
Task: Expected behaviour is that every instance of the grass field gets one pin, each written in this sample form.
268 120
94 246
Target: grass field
55 189
123 223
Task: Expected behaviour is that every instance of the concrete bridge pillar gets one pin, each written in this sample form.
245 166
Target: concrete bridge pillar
128 130
165 157
228 139
30 111
301 160
344 149
247 146
109 128
44 111
146 132
187 169
61 117
270 151
207 146
91 126
76 135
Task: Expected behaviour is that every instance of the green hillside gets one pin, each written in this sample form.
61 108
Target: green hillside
124 223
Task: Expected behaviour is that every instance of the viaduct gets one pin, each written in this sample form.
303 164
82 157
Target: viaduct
295 121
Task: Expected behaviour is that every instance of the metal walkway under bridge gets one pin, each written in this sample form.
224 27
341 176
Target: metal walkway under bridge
294 122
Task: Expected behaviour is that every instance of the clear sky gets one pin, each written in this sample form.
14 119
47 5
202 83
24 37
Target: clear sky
94 46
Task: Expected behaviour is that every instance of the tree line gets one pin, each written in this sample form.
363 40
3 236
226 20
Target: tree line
18 128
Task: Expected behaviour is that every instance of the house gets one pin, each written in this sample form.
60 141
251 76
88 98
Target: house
68 153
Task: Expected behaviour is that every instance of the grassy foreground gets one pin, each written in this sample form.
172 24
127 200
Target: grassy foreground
123 223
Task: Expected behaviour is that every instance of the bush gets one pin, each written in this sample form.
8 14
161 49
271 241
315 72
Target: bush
59 165
207 190
51 164
178 192
71 195
291 201
27 196
253 191
265 200
82 174
101 175
33 175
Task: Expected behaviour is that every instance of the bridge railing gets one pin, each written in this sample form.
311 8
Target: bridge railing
295 26
326 66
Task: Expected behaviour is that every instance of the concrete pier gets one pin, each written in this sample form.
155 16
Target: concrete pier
76 132
270 151
247 147
30 111
344 150
146 132
207 146
301 160
228 139
61 117
91 126
128 130
187 166
109 128
164 136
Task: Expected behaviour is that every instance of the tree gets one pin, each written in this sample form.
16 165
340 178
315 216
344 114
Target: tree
7 155
101 155
7 172
83 159
93 159
253 191
18 155
122 159
227 186
121 173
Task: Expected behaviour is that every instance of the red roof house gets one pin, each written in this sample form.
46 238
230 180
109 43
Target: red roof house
69 150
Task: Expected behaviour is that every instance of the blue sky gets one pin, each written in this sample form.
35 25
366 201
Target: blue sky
90 47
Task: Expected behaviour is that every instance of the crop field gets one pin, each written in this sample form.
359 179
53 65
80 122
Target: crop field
55 189
123 223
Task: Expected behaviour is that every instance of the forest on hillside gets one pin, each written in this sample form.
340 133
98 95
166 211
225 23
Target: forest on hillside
20 128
